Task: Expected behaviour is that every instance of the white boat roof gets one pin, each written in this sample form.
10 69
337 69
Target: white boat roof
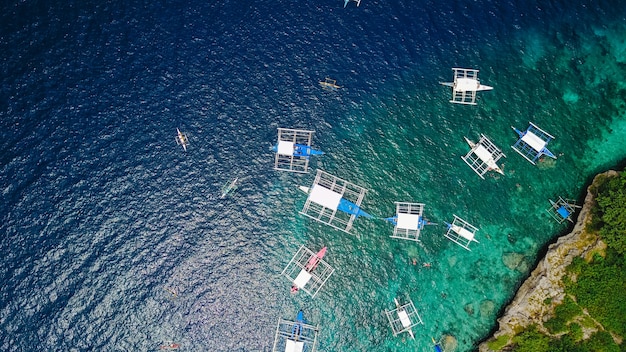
483 154
463 232
404 318
466 85
325 197
408 221
302 279
534 141
285 148
294 346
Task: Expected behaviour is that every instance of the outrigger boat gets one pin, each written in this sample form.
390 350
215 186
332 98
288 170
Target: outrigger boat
311 265
358 2
436 345
295 335
329 84
532 143
486 156
465 86
345 205
229 188
404 318
181 139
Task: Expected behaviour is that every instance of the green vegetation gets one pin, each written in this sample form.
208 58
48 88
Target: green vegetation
611 213
498 343
563 313
595 305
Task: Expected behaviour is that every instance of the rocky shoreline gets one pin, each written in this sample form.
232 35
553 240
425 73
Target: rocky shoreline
530 304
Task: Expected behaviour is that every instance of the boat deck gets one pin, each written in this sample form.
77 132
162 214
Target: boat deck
284 339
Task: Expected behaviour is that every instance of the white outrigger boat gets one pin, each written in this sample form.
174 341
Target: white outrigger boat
483 156
182 139
404 318
465 86
345 3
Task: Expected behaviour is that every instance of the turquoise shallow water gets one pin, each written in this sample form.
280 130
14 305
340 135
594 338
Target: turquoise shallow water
105 215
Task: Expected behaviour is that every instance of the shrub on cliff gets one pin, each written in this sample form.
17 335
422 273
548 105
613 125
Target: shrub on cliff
611 212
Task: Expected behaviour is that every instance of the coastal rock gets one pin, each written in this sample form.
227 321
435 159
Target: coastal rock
544 284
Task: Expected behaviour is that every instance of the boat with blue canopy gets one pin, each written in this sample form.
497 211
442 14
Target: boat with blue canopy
532 143
293 150
295 336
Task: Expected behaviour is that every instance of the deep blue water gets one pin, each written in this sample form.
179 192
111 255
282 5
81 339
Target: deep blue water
114 238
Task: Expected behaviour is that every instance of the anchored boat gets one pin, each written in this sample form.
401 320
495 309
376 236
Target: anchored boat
229 187
293 150
295 336
483 156
311 265
403 318
182 139
329 84
465 86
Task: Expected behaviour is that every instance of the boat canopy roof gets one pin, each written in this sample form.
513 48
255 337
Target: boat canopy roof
466 85
534 141
325 197
285 147
302 279
483 154
294 346
408 221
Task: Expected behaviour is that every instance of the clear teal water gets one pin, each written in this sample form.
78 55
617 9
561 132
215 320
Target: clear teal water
104 215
